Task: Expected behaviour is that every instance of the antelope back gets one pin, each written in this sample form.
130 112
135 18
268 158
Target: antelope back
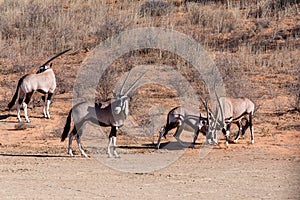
236 107
44 81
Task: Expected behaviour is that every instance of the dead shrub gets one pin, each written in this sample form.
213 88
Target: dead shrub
262 23
155 8
218 20
271 8
40 28
108 27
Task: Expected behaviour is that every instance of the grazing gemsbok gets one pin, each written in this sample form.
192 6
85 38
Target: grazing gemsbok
234 110
182 119
112 114
43 81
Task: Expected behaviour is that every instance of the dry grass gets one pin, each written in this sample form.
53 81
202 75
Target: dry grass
34 29
255 44
155 8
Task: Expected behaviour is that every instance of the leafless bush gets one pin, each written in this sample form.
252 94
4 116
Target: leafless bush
271 8
218 20
197 17
295 90
262 23
206 1
38 28
108 27
155 8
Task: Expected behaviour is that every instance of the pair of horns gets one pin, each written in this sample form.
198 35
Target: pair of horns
216 120
132 86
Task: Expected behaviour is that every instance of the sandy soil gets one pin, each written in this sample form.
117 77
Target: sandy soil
34 164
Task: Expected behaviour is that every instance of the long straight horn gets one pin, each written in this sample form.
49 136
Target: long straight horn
222 114
217 115
123 85
206 109
65 51
135 82
215 122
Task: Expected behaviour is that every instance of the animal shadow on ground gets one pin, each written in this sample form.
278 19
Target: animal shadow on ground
143 146
175 145
165 145
34 155
3 117
6 116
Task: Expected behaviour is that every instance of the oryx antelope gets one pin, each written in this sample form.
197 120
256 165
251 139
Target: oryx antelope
108 114
43 81
182 119
234 110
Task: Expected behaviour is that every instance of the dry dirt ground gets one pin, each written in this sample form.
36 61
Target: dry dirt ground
34 164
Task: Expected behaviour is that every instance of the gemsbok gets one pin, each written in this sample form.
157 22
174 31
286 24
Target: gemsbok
234 110
112 114
43 81
183 119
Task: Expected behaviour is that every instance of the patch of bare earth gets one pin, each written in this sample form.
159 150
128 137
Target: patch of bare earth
34 164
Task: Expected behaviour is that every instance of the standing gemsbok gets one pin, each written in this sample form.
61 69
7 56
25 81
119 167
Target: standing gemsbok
43 81
112 114
234 110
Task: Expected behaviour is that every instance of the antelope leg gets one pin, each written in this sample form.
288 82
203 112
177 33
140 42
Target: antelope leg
70 143
114 142
80 146
48 105
195 138
25 103
18 112
161 132
108 147
238 134
44 105
251 128
25 112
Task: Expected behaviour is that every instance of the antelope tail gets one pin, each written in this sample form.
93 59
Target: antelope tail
13 100
67 127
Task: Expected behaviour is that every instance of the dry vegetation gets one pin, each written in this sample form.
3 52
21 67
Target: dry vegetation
255 44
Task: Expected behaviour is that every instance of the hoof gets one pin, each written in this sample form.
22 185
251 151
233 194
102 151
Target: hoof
116 155
84 155
70 153
209 142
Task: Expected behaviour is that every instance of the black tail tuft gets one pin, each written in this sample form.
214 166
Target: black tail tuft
67 127
13 100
